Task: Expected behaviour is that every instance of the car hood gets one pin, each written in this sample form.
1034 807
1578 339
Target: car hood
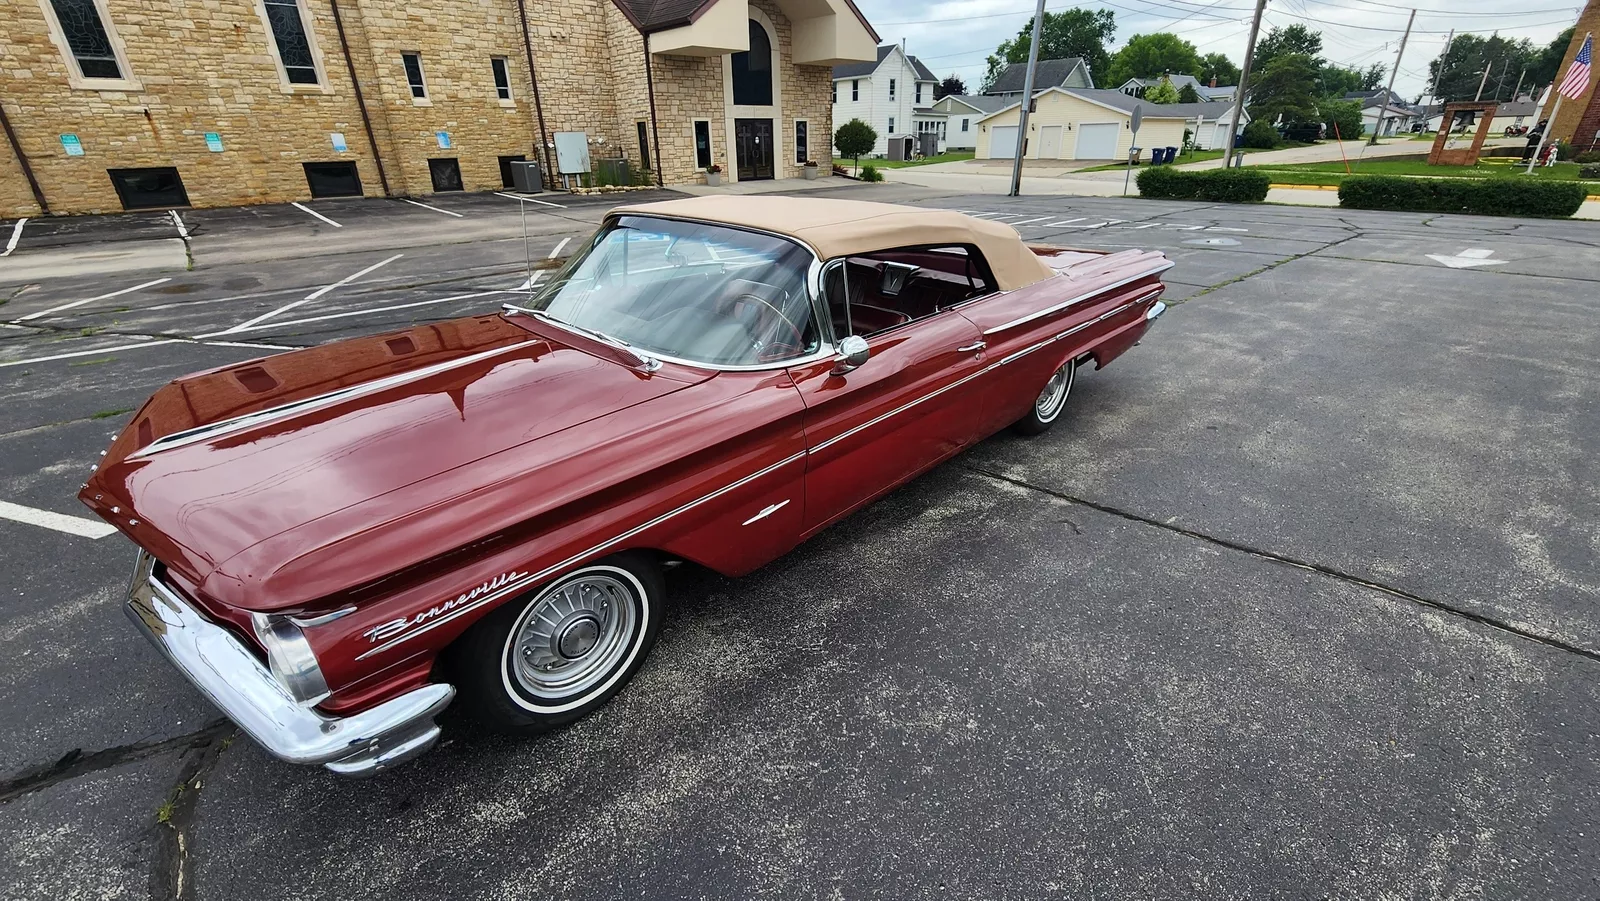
221 461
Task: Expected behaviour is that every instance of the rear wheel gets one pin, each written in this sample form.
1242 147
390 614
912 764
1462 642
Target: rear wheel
1051 401
560 652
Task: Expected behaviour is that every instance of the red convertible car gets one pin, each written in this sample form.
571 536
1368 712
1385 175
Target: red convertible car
335 542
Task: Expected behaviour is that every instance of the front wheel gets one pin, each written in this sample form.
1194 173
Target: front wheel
562 651
1051 401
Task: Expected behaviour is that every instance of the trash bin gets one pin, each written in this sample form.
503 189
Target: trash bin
1172 154
526 178
1133 154
612 170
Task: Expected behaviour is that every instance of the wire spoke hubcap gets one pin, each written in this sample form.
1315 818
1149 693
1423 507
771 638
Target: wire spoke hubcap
1054 394
574 635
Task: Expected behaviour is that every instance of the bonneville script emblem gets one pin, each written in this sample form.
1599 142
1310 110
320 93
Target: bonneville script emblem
395 626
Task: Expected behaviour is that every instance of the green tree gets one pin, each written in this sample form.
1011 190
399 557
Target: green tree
1336 81
1161 92
1544 67
1372 76
952 84
1286 91
855 138
1153 55
1218 66
1471 54
1187 94
1283 41
1072 32
1259 135
1342 118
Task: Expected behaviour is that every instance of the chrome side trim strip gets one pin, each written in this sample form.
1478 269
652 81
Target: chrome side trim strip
1104 316
305 405
766 512
1079 299
532 579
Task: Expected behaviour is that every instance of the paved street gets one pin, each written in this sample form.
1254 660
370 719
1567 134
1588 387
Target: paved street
1299 599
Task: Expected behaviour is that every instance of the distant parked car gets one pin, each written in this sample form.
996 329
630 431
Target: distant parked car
333 541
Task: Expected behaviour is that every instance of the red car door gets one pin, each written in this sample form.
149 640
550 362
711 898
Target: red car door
899 413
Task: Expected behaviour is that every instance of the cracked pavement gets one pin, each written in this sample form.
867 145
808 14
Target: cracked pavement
1299 599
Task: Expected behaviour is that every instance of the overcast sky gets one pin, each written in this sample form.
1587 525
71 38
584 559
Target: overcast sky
956 35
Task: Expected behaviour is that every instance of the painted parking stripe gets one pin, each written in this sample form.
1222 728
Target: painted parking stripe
434 208
79 303
363 312
528 200
16 235
557 249
313 212
1065 222
312 296
1028 221
72 525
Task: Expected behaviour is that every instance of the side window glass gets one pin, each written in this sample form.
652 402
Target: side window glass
872 293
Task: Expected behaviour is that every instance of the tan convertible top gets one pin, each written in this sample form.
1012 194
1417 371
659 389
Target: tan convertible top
835 228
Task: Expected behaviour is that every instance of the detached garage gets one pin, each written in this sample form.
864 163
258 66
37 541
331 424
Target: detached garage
1081 124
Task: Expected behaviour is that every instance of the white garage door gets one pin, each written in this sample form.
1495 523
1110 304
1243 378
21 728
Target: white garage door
1220 142
1003 142
1098 141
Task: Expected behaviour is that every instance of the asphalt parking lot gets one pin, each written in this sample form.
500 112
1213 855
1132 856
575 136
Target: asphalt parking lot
1300 599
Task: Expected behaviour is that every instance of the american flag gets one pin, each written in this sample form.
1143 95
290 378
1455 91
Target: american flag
1577 80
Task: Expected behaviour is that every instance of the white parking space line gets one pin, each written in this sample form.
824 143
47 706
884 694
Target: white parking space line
1028 221
1218 228
72 525
557 249
529 200
16 235
362 312
316 214
140 345
79 303
309 297
528 283
1065 222
434 208
183 232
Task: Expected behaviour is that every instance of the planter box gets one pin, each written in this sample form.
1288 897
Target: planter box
812 172
714 179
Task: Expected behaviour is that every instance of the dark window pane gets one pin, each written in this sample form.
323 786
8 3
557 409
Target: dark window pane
446 174
752 71
502 78
644 145
86 36
702 144
143 188
801 152
506 180
413 64
333 179
294 49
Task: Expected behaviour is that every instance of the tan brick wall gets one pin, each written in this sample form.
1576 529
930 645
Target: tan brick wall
208 66
1566 125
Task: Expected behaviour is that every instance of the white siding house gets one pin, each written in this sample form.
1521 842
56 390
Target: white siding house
893 95
962 112
1083 124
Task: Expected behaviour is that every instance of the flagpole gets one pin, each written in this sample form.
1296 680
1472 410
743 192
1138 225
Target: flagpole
1544 136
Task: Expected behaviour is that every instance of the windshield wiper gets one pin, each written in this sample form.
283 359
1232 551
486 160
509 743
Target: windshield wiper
644 361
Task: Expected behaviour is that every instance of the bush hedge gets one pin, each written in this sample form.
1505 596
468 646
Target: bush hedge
871 173
1482 196
1219 185
1259 135
1590 171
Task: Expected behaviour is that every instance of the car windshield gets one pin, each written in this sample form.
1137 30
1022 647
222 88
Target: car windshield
696 292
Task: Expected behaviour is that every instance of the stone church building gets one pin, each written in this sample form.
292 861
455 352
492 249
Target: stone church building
131 104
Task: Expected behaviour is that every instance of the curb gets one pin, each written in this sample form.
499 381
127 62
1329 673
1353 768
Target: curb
1306 187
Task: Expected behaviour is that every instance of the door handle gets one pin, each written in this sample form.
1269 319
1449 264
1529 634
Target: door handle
978 345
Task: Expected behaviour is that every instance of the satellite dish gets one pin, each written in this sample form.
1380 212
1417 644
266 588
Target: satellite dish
1138 117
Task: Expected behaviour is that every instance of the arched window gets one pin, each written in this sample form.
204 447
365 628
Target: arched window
752 71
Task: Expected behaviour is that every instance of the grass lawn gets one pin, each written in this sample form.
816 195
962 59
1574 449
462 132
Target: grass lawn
1198 156
1488 167
948 157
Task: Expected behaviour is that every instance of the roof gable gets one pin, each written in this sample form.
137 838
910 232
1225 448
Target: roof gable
1049 74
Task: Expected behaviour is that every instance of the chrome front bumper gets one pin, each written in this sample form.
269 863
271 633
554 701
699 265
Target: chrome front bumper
236 680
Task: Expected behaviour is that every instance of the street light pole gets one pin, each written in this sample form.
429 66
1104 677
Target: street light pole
1027 102
1388 93
1244 83
1433 92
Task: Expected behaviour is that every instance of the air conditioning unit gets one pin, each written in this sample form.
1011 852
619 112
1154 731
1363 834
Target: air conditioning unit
526 178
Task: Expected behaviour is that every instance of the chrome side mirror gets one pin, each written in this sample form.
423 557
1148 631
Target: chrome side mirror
853 351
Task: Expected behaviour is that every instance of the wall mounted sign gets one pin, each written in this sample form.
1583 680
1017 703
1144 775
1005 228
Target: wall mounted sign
213 142
337 137
72 145
444 139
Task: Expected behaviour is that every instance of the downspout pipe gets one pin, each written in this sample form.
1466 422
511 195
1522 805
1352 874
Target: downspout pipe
650 88
22 158
361 102
538 103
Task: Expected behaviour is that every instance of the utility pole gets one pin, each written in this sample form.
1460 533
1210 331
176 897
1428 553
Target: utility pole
1244 83
1517 91
1483 81
1433 92
1027 102
1388 93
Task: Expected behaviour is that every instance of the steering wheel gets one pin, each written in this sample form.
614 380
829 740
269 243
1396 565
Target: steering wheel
767 352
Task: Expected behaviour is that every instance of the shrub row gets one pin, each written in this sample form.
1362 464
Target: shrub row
1220 185
1483 196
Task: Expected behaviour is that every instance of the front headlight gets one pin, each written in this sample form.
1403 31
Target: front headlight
290 659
